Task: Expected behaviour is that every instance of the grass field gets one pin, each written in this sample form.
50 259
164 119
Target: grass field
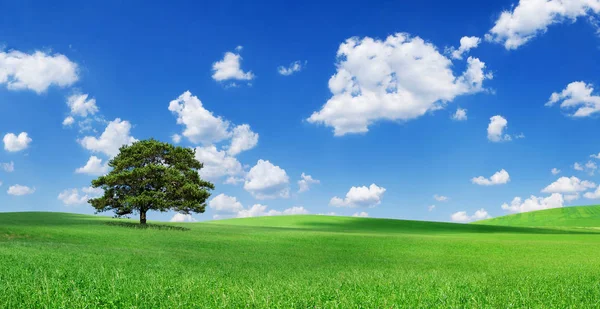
574 217
57 260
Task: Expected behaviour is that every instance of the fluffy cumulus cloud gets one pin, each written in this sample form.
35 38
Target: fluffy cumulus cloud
499 178
569 185
94 166
593 194
462 216
431 208
217 163
595 156
396 79
555 171
14 143
224 203
495 130
19 190
578 99
242 139
577 166
441 198
466 43
69 121
179 217
116 134
229 68
460 114
81 105
294 67
361 214
8 167
36 71
532 17
176 138
305 182
228 206
267 181
360 197
555 200
73 197
201 126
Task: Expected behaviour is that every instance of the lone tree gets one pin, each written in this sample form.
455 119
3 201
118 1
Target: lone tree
151 175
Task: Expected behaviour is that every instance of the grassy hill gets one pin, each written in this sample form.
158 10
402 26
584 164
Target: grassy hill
57 260
578 216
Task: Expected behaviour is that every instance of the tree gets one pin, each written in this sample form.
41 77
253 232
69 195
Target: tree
151 175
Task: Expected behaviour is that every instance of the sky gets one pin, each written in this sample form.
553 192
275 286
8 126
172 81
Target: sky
423 110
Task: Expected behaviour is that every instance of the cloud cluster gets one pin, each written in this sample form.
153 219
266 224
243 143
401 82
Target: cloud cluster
360 197
556 200
466 44
532 17
499 178
37 71
19 190
305 182
14 143
72 197
267 181
294 67
229 68
578 97
396 79
228 206
463 217
495 130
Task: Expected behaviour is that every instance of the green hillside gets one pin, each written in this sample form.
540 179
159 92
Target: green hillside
58 260
577 216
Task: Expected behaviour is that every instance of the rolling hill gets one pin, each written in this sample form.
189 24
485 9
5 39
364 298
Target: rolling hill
570 217
60 260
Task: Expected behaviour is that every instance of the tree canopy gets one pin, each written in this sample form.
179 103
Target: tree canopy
152 175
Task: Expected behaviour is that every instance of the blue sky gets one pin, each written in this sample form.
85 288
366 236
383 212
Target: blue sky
369 110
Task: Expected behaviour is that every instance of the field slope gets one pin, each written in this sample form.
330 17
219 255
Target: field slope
574 217
58 260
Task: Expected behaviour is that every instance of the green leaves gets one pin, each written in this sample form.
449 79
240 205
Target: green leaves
151 175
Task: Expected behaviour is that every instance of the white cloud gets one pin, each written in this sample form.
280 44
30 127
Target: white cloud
8 167
217 163
591 167
466 43
225 203
431 208
229 68
593 194
569 185
266 181
114 136
534 203
19 190
495 130
595 156
463 217
499 178
36 71
14 143
532 17
294 67
460 115
360 197
577 167
258 210
176 138
441 198
398 79
296 210
68 121
305 182
361 214
179 217
555 171
242 139
72 197
571 197
81 106
94 166
577 96
201 126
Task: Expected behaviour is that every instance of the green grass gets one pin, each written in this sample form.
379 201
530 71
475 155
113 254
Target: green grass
570 217
57 260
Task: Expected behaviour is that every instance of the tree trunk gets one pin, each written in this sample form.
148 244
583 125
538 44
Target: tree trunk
142 217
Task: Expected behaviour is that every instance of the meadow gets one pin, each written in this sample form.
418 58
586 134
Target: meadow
59 260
